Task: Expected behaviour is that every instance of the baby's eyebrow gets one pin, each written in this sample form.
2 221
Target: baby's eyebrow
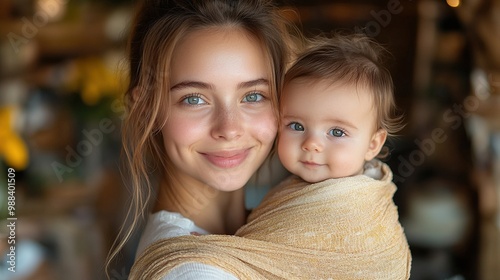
292 117
344 123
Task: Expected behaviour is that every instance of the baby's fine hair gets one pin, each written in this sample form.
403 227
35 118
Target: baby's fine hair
350 59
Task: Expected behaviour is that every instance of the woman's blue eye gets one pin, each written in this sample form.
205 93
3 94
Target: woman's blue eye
336 132
296 126
253 97
193 100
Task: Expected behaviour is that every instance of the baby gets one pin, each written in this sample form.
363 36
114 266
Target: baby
336 110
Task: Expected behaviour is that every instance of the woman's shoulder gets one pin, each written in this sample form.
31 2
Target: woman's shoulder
172 221
164 224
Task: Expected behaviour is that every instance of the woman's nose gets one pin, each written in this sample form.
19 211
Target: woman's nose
227 124
312 144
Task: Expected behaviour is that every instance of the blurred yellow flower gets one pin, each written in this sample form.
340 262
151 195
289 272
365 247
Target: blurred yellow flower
13 149
96 78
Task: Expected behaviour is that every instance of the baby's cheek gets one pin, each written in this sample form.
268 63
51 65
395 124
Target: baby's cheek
346 163
287 151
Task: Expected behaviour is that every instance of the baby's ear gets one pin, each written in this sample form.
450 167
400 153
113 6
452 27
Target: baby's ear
376 144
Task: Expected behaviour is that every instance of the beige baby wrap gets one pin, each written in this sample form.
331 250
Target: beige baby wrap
337 229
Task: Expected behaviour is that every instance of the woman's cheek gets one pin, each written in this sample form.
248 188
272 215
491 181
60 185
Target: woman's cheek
265 126
184 129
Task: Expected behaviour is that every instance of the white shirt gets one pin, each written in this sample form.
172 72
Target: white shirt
164 224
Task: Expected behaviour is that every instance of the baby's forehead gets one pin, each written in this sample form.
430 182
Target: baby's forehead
309 85
324 93
326 97
328 82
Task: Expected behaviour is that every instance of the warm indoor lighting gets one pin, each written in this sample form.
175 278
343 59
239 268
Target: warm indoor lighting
453 3
53 10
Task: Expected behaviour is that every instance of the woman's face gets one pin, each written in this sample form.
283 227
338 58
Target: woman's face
220 125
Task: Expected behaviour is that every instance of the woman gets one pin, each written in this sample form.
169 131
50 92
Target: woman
202 115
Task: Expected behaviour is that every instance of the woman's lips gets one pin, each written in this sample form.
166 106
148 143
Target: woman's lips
227 159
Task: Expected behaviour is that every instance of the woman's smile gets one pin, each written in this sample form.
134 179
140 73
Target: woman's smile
227 159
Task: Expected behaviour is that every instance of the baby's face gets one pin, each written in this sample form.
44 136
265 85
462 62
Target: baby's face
327 130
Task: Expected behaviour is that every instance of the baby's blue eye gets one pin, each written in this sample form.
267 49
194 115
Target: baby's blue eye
194 100
296 126
336 132
253 97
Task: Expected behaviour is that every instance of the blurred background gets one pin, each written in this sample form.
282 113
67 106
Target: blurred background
63 70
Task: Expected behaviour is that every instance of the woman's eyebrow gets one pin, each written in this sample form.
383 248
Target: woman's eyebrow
191 84
202 85
253 83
